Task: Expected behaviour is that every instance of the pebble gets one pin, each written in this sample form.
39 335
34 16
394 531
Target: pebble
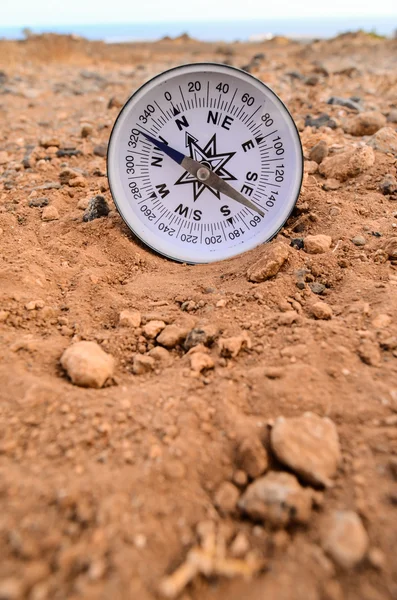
161 355
272 259
252 457
331 185
4 314
388 185
66 175
38 202
390 247
78 182
34 304
381 321
278 499
50 141
50 213
317 244
369 353
101 150
205 334
115 102
4 158
142 364
240 545
366 123
392 116
297 243
319 152
310 167
344 538
317 288
87 364
321 310
97 208
86 130
347 164
11 588
172 335
359 240
384 140
130 318
323 120
226 497
83 203
230 347
199 361
347 103
153 328
309 445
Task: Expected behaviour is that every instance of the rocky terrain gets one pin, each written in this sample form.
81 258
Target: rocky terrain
197 432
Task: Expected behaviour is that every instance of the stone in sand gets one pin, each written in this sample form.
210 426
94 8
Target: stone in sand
321 310
308 445
272 259
317 244
87 364
347 164
277 499
97 208
344 538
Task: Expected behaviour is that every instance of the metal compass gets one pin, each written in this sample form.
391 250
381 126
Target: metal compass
204 163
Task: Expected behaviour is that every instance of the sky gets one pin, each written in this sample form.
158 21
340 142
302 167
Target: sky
30 13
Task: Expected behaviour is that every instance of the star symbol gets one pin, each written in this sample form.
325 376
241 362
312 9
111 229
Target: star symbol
209 157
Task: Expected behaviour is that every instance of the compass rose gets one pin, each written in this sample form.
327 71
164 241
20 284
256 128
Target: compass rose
209 157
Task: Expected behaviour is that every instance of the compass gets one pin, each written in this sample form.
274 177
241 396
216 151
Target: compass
204 163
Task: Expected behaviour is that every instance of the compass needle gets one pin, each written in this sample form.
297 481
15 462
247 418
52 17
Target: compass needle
239 144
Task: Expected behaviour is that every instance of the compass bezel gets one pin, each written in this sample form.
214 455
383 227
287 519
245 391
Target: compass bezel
139 229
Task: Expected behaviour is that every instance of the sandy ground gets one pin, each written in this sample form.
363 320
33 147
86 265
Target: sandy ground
103 492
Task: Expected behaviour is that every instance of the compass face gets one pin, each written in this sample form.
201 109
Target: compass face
230 124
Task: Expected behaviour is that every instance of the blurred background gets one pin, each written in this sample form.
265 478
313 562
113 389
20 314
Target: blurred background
207 20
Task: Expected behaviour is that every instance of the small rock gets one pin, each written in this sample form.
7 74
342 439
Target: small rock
271 261
390 248
377 558
230 347
101 150
160 355
308 445
97 208
277 499
384 140
38 202
205 334
317 244
172 335
317 288
323 120
366 123
49 213
297 243
4 158
153 328
226 497
381 321
288 318
34 304
310 167
252 457
87 364
347 103
347 164
199 361
240 545
369 353
115 102
388 185
392 116
83 203
319 152
359 240
321 310
50 141
331 185
130 318
4 314
344 538
86 130
142 364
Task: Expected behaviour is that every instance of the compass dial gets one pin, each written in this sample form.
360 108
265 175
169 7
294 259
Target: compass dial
204 163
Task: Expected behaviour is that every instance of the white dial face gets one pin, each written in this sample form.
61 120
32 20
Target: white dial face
234 126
